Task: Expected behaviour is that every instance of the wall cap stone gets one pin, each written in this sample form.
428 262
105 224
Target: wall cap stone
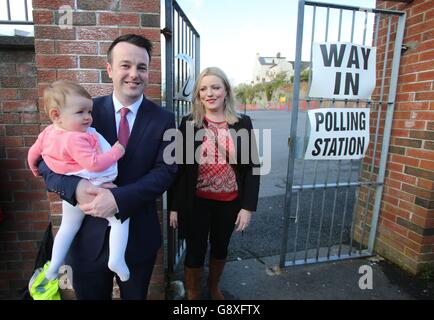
17 42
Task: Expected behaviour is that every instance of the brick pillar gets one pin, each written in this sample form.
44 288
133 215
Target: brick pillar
22 197
79 53
406 225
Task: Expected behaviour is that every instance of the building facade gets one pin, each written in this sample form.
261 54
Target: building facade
267 68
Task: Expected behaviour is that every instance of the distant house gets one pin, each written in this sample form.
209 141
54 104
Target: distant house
266 68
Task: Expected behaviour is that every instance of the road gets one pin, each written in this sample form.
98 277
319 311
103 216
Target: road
278 123
325 215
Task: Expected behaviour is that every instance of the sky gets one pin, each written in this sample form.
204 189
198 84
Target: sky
17 13
233 32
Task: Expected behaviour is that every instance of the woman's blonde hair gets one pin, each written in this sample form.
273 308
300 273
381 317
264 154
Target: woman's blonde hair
198 110
55 94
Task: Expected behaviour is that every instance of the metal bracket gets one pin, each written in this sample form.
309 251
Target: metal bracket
166 32
408 46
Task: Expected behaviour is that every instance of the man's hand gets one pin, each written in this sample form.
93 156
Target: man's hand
81 193
108 185
102 206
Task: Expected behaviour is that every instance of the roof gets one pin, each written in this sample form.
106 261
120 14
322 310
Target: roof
304 64
269 60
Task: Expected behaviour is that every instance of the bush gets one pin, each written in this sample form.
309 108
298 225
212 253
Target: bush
426 272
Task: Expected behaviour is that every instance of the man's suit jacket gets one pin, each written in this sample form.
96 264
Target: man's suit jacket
142 178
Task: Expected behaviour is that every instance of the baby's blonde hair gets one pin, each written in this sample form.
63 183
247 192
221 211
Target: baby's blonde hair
55 94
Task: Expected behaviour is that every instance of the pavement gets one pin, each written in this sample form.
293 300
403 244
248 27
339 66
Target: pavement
252 271
262 279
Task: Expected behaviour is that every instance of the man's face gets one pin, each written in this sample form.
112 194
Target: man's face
129 71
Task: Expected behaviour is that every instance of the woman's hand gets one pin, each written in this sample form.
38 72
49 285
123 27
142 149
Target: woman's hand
173 219
243 219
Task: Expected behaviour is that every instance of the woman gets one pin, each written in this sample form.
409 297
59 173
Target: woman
218 189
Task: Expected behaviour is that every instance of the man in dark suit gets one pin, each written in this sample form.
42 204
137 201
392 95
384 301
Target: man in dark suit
142 177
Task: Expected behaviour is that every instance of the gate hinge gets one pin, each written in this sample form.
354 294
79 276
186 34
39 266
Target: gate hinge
166 32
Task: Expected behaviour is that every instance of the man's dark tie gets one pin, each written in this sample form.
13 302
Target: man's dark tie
124 128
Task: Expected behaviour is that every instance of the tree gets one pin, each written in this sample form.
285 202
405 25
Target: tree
241 93
251 93
304 75
269 90
270 87
245 93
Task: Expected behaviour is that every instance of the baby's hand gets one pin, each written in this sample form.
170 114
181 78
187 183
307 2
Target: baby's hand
120 146
35 172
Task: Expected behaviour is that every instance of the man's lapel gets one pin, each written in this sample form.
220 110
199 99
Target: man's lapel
107 124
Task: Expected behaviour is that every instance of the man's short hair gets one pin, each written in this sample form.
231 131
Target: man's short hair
134 39
55 94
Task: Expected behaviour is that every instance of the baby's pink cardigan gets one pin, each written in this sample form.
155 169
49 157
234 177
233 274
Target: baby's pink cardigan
70 151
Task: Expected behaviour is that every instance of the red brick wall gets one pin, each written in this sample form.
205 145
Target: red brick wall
22 197
79 54
406 225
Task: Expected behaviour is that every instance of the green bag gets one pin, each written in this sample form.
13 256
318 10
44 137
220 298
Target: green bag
41 288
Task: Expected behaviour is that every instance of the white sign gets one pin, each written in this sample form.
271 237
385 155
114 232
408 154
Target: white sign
342 71
338 133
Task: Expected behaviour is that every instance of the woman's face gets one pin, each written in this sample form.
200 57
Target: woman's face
212 93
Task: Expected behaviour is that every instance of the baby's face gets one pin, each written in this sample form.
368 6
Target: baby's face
76 114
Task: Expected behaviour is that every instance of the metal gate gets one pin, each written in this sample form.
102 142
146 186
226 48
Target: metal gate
332 206
182 68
